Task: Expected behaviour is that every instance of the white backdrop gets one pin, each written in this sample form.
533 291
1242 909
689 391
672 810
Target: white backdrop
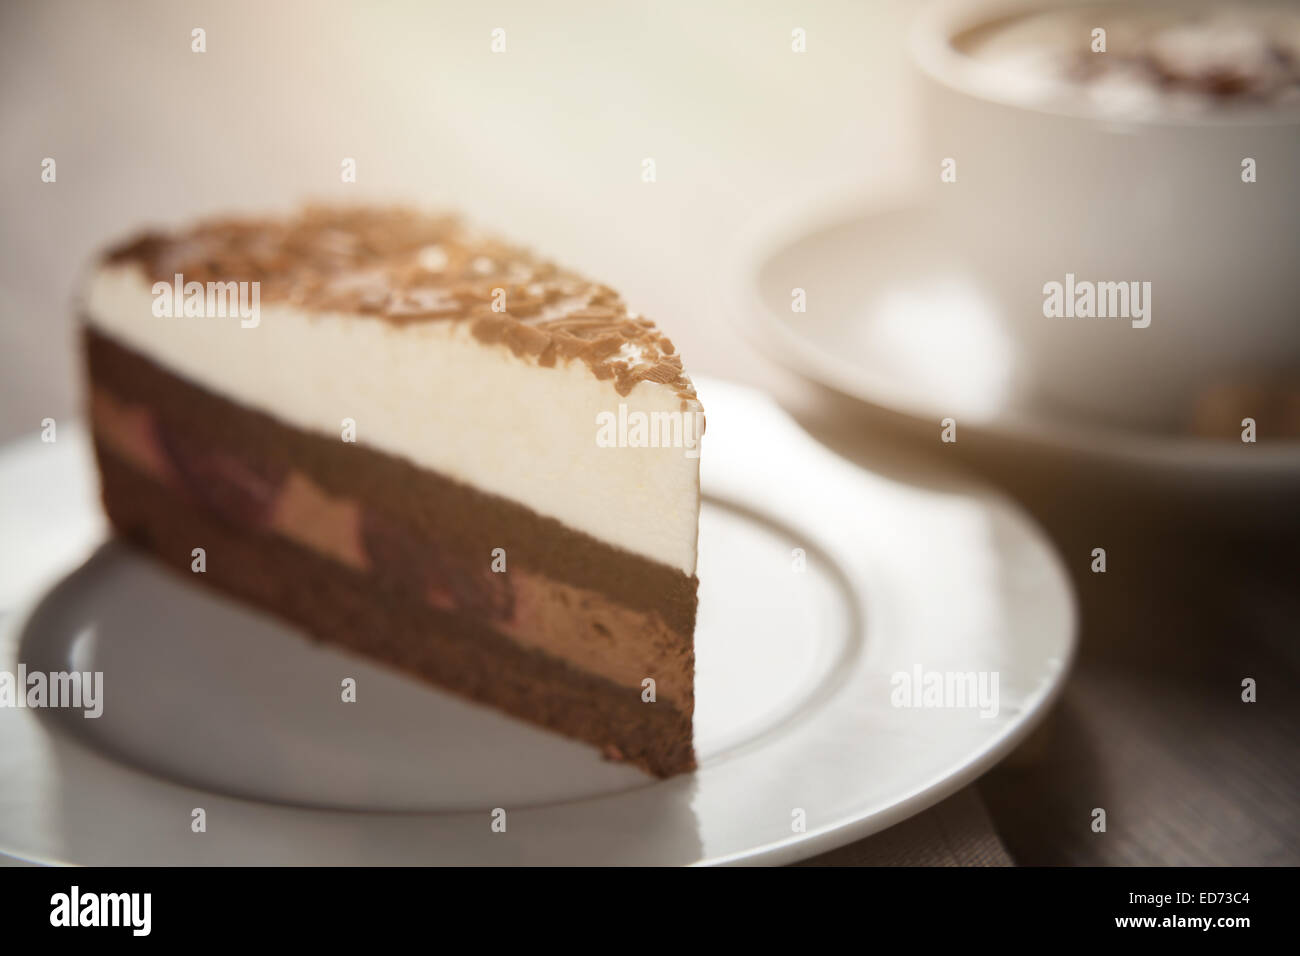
544 142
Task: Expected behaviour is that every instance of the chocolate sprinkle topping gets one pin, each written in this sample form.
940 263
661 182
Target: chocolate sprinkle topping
406 266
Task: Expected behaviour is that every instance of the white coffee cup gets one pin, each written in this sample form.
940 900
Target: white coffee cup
1043 193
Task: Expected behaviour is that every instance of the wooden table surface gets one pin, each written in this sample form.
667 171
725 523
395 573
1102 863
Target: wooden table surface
1151 726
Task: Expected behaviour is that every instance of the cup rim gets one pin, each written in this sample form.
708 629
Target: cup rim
935 55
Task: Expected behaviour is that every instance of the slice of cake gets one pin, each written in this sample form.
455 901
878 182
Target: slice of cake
418 443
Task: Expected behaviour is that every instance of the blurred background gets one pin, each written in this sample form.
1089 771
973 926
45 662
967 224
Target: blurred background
545 143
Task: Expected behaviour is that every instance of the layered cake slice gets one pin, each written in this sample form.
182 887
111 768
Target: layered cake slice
418 443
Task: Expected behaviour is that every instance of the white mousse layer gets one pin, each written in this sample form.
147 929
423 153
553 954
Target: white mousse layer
432 394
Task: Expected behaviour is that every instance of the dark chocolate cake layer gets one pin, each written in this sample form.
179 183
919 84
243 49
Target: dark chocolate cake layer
367 551
342 607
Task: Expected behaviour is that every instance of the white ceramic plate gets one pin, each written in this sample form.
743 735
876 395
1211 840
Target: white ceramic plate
898 318
209 705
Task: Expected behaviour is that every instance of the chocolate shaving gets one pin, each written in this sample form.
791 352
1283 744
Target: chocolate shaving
406 266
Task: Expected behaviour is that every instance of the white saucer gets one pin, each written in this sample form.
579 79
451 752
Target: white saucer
898 318
208 705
